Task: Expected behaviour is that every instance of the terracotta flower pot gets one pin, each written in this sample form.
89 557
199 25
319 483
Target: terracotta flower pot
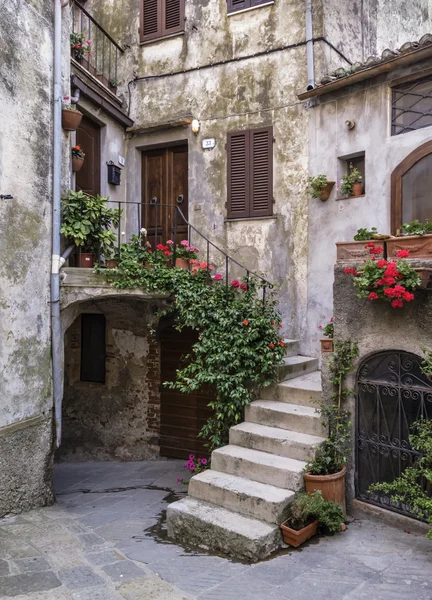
325 194
111 263
332 486
71 119
296 538
327 345
356 251
357 189
182 263
425 276
77 163
86 260
419 246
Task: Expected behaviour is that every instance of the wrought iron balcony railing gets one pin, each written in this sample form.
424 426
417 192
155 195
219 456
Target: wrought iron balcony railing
100 53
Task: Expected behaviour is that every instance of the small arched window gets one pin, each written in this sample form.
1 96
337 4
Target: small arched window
412 188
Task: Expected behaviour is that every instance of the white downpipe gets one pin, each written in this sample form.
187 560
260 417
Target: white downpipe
309 47
56 337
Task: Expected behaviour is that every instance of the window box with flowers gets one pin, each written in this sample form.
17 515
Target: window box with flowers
328 332
417 238
358 250
77 158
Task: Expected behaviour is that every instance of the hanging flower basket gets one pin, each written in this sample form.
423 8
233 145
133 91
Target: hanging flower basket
71 119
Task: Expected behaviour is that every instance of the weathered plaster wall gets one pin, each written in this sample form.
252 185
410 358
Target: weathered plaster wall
25 248
338 220
118 419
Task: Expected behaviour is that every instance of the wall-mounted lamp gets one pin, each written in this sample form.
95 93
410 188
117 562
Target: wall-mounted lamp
114 173
195 126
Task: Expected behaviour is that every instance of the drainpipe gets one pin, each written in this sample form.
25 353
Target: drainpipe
309 47
56 337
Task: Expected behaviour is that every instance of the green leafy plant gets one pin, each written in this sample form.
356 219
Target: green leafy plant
185 250
238 346
363 234
333 454
79 45
417 228
392 281
328 330
413 487
194 465
426 365
348 181
305 509
87 222
317 185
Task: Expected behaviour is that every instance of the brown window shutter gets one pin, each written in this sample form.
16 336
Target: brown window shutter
258 2
234 5
150 19
172 16
238 174
261 172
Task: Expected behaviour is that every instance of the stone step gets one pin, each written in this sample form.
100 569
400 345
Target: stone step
303 419
293 366
250 498
286 473
292 347
273 440
304 390
200 523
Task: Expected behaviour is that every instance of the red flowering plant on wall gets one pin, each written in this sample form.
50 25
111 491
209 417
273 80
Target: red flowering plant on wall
393 281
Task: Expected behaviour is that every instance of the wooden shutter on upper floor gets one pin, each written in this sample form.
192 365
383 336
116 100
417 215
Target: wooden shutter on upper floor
150 19
261 172
234 5
238 174
160 18
172 16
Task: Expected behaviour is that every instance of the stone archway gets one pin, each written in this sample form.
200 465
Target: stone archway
392 393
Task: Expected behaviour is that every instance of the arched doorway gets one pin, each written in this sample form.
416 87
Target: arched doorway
392 393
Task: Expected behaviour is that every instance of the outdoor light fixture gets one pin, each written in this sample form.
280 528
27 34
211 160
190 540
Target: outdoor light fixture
195 126
114 173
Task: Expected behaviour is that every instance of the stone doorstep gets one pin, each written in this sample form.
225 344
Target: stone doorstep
293 366
273 440
303 419
285 473
359 509
304 390
250 498
292 347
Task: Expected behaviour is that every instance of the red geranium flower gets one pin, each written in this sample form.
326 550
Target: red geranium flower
281 344
235 283
350 271
402 253
389 292
397 303
243 286
373 296
245 322
382 263
271 345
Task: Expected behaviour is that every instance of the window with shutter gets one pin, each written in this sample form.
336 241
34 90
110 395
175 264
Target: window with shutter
250 173
236 5
161 18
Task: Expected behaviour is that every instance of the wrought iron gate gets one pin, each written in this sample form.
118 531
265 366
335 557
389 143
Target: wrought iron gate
392 393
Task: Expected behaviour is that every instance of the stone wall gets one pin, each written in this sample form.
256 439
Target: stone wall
117 420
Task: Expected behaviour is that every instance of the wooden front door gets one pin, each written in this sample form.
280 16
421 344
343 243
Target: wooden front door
88 137
182 415
164 187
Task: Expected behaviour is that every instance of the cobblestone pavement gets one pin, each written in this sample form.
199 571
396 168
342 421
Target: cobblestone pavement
105 540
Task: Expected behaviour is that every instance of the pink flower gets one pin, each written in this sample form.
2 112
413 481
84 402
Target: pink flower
170 243
217 277
191 456
235 283
331 320
243 286
184 243
66 98
178 479
203 461
402 253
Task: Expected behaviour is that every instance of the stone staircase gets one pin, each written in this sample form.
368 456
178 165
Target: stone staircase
236 507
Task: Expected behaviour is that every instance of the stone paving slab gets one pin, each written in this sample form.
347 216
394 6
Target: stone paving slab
105 539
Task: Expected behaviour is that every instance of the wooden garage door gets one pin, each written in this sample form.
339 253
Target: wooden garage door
182 415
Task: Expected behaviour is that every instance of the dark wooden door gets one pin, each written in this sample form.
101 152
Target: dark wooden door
182 415
88 137
165 186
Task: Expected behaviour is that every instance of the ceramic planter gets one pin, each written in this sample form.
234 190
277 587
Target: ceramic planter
327 344
425 276
332 486
419 246
77 163
355 252
296 538
86 260
325 194
71 119
182 263
357 189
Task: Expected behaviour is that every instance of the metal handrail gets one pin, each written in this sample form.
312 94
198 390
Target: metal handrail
101 29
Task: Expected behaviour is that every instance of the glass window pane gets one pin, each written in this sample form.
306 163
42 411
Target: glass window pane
417 191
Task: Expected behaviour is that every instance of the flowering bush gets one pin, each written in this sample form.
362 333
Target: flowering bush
185 250
392 281
77 152
79 45
328 330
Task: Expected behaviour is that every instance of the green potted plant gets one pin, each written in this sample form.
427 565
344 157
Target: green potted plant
417 238
327 340
71 116
351 183
307 513
77 158
87 222
80 47
185 252
326 471
392 281
357 251
320 187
